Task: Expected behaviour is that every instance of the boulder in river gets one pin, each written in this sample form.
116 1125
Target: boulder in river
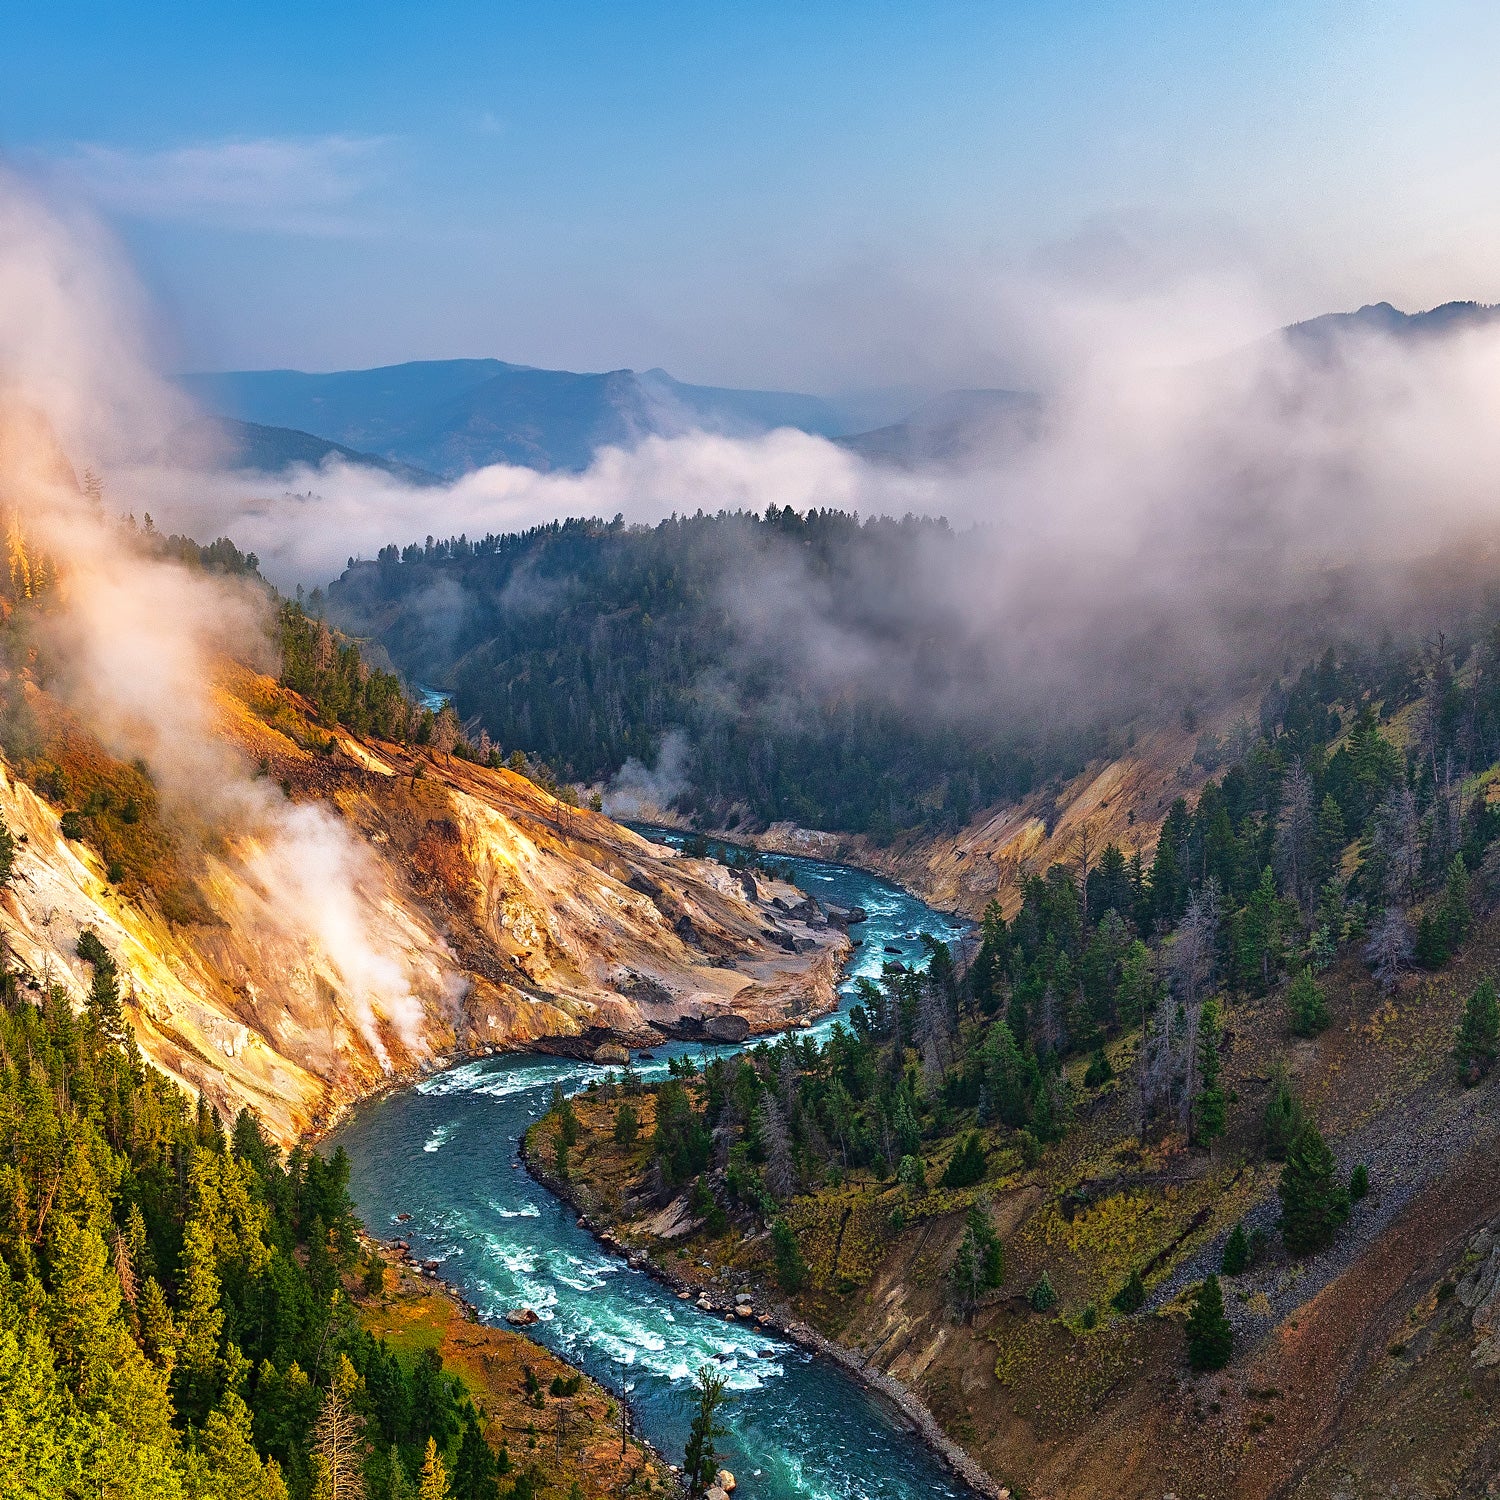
521 1317
728 1027
725 1480
611 1055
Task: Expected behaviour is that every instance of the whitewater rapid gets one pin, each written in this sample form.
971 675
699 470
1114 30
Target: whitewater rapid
445 1152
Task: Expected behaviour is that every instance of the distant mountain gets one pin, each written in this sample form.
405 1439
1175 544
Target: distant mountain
1381 317
226 443
950 427
452 416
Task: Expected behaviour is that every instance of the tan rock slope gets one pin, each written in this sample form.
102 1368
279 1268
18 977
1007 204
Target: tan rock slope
1121 799
513 918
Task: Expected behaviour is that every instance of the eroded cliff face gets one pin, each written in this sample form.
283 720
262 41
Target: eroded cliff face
489 915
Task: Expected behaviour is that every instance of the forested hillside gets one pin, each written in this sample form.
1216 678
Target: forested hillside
585 643
173 1319
1259 1052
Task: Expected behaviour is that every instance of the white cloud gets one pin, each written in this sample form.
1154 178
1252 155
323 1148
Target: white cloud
299 186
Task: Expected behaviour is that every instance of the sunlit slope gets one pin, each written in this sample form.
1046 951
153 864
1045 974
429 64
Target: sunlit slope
512 916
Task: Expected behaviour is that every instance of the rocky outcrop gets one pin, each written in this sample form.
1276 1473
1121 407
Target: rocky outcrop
453 910
1479 1291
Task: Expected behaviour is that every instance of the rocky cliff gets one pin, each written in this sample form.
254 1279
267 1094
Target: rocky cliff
490 915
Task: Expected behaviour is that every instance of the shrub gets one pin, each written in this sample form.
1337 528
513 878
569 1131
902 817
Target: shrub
1359 1183
1043 1295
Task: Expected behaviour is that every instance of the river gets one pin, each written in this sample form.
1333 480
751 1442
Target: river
445 1152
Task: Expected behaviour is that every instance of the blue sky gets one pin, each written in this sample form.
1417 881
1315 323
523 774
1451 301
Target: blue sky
819 194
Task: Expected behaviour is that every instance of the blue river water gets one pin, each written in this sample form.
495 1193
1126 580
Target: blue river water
445 1152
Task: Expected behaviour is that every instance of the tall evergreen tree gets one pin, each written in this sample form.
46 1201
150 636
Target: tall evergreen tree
1478 1041
1314 1204
1307 1004
432 1482
698 1457
1210 1106
1210 1339
1236 1251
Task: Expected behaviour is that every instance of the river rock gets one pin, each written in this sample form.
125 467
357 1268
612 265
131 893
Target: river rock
611 1055
725 1480
715 1492
521 1317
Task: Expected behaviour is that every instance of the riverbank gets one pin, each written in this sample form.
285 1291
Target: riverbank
903 1403
534 1407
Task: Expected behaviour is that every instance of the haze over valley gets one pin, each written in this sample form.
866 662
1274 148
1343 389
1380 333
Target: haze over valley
749 754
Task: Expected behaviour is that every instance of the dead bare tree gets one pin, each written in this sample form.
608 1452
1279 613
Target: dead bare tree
1193 962
1389 950
1296 829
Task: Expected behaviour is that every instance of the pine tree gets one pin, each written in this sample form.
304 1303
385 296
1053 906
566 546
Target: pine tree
1132 1296
1332 836
698 1457
339 1438
979 1265
1314 1205
1099 1071
1478 1041
397 1481
1308 1005
432 1483
791 1269
1283 1118
474 1471
1042 1296
966 1165
200 1321
236 1471
775 1144
1210 1339
627 1124
1210 1107
1236 1251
